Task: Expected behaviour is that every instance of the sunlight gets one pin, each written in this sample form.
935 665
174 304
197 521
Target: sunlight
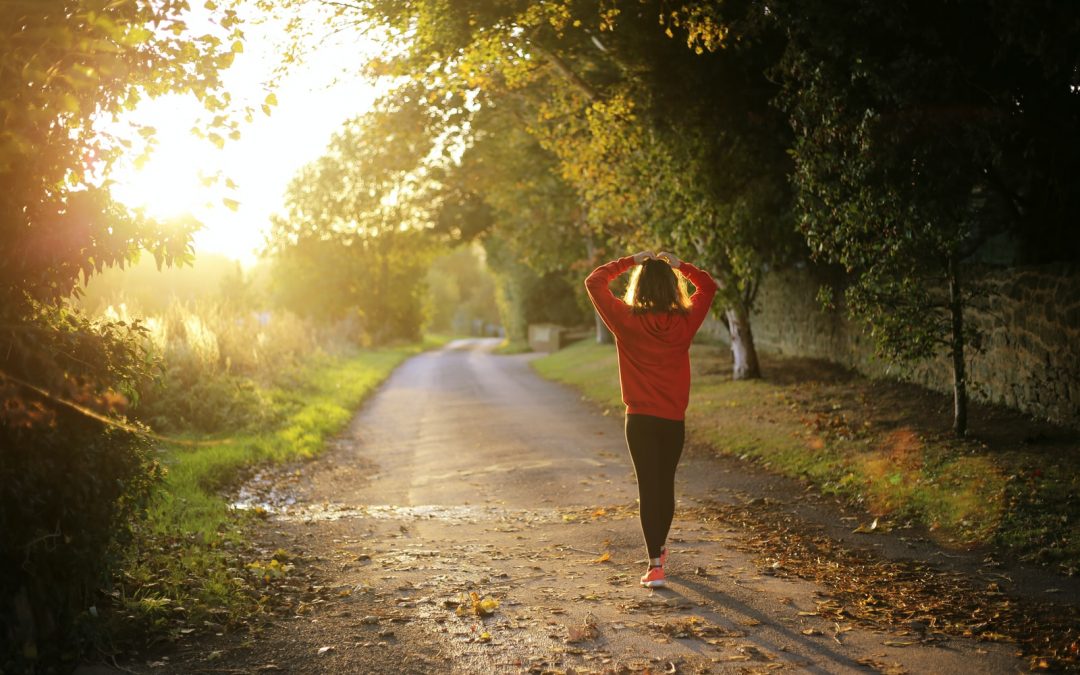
170 183
233 190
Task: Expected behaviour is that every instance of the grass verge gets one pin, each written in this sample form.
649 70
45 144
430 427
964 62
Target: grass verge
1014 483
190 567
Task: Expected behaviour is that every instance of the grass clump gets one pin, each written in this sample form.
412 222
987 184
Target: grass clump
1014 483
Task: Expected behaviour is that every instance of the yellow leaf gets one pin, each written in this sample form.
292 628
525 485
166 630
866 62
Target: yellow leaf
271 99
231 204
238 47
474 604
603 558
70 103
485 637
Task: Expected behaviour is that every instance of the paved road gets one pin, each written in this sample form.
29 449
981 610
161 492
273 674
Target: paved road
466 472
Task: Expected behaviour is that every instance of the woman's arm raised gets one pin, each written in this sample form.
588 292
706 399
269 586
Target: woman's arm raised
597 284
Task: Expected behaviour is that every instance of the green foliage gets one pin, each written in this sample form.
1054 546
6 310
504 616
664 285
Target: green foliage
588 130
461 292
910 155
506 189
212 356
65 64
885 181
351 244
525 296
190 550
68 497
69 484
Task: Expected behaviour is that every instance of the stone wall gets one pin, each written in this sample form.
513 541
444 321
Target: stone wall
1030 357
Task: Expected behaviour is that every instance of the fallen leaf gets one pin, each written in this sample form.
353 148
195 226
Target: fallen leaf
866 529
475 605
582 633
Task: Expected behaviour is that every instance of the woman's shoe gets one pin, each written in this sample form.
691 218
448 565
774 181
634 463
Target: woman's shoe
654 578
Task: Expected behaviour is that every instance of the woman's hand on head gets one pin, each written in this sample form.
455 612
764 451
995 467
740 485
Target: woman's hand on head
643 256
669 258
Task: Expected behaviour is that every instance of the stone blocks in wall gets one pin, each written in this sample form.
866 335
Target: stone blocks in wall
1030 325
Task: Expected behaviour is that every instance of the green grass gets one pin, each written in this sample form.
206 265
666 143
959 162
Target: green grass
836 433
590 367
191 551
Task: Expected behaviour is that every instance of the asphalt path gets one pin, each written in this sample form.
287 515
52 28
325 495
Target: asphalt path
468 473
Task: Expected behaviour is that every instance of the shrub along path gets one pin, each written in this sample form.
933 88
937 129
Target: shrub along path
475 518
190 566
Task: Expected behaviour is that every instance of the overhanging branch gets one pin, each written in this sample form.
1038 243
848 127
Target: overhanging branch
565 71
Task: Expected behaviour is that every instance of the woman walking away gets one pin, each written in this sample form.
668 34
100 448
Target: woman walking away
653 326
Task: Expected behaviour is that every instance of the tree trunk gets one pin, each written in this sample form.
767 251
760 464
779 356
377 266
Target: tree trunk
742 344
603 335
956 308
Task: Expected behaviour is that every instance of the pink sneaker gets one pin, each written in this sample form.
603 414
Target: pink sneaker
654 578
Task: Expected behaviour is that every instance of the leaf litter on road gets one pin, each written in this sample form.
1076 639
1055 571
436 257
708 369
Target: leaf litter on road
474 605
916 596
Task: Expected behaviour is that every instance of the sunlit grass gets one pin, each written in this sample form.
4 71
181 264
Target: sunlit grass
963 492
590 367
191 544
508 347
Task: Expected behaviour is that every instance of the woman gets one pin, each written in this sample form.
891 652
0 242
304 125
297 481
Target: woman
653 326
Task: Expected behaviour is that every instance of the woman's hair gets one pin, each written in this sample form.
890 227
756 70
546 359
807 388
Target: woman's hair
654 287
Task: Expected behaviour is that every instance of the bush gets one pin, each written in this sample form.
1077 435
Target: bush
70 479
213 357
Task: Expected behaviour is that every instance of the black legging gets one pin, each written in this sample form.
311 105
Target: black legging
655 446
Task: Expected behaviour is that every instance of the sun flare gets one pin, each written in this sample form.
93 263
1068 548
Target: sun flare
171 182
234 189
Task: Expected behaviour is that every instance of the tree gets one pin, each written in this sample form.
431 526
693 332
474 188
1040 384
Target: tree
530 224
71 473
642 134
919 133
351 244
62 66
462 292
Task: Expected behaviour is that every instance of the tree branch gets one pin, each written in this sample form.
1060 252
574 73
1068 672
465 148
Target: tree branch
567 73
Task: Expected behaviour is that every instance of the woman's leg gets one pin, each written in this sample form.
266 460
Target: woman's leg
655 446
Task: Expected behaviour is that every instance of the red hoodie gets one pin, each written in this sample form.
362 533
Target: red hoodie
654 348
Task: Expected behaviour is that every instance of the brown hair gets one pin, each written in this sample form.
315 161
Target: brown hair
654 287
